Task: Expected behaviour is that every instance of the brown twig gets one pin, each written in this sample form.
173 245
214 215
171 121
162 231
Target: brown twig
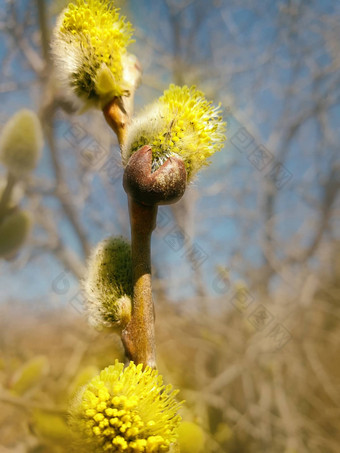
138 337
118 112
146 189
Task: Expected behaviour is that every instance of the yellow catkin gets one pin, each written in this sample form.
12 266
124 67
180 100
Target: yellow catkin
181 122
89 46
127 410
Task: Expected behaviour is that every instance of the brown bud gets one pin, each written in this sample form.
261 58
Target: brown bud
166 185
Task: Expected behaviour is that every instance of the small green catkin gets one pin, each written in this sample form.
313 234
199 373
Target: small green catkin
108 284
14 230
191 437
30 375
51 429
21 143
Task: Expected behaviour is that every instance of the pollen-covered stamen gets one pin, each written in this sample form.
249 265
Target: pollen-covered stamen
165 185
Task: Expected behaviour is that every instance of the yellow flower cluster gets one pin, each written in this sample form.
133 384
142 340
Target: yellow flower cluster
183 122
127 410
93 37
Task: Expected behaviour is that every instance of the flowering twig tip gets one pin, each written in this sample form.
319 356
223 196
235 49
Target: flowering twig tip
181 123
89 46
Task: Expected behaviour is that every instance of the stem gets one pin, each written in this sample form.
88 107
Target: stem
43 24
118 117
139 335
6 195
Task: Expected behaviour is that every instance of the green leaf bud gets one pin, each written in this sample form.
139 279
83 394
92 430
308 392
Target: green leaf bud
29 375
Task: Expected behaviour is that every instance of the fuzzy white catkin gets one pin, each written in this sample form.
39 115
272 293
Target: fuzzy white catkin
108 284
21 142
67 60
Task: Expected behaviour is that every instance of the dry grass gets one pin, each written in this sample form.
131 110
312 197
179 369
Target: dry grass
246 393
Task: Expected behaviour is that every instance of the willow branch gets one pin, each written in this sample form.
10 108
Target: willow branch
139 335
146 189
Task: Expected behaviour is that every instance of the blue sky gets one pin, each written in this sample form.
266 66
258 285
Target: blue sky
35 279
